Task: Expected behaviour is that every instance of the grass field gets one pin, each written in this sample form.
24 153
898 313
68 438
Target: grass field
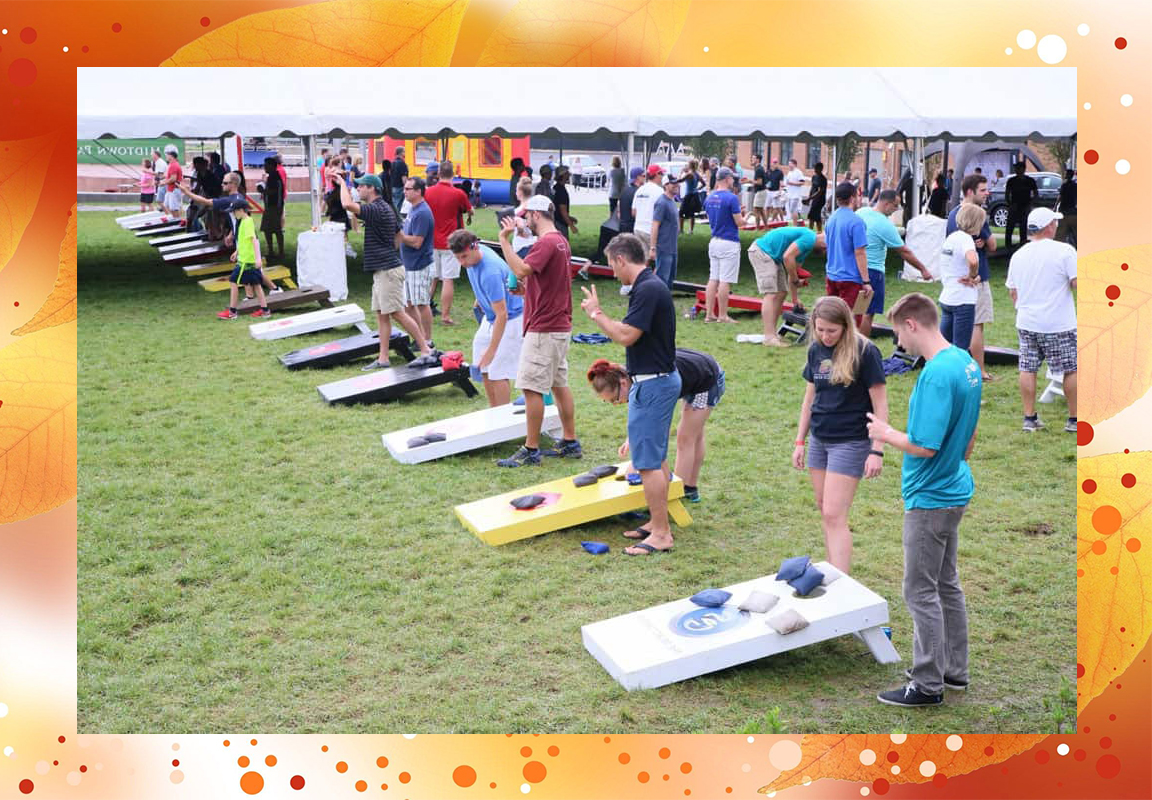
250 558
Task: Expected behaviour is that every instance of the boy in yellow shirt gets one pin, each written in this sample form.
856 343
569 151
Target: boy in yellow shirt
248 263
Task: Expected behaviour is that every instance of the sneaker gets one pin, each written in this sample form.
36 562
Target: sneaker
226 314
522 457
349 251
954 684
565 450
262 312
1033 424
377 364
909 697
692 496
423 362
1070 426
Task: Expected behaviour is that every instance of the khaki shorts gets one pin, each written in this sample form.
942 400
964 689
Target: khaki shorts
770 276
543 361
983 303
444 265
760 199
388 290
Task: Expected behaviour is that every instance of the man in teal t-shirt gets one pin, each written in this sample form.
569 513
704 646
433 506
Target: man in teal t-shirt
776 258
937 484
881 235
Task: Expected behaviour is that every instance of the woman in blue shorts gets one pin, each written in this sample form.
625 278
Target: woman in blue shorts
845 381
702 385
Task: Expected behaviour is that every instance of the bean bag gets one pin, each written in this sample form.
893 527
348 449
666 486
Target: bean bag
595 548
711 598
788 621
527 501
792 568
435 436
417 441
807 581
759 602
585 480
831 574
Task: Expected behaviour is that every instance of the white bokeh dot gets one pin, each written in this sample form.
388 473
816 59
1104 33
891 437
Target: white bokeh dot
927 768
1007 51
525 788
1052 49
705 48
953 743
1082 29
867 757
771 794
65 48
1123 167
1125 100
895 769
42 767
1062 749
745 767
409 736
751 739
3 709
1026 39
1087 106
73 778
4 31
865 791
898 738
8 751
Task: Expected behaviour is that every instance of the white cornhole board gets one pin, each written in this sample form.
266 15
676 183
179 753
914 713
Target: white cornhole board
144 216
466 432
1055 387
680 640
321 320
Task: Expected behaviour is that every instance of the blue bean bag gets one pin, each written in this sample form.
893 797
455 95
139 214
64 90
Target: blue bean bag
807 581
595 548
710 598
792 568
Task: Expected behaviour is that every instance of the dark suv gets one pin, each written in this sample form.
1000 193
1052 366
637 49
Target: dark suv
1047 182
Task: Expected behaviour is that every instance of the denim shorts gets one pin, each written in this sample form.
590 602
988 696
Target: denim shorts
650 407
843 458
708 398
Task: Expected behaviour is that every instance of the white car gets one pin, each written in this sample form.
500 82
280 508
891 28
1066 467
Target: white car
585 170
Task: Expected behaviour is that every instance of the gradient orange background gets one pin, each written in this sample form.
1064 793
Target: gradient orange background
37 555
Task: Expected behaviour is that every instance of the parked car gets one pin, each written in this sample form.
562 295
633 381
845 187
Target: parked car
585 170
1047 182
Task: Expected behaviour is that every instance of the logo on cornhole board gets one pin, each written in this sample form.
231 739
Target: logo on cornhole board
707 621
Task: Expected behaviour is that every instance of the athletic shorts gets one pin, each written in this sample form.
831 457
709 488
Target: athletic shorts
760 199
388 290
877 304
506 363
147 198
709 398
845 290
816 211
444 265
775 199
246 274
543 361
770 276
418 286
983 303
173 199
723 260
843 458
1058 349
651 404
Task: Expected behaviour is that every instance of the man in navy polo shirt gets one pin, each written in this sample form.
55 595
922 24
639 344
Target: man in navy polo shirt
648 333
847 237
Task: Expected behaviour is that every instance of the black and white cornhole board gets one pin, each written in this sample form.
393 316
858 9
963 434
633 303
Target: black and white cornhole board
179 238
207 251
466 432
151 221
392 384
343 351
166 229
139 218
321 320
679 640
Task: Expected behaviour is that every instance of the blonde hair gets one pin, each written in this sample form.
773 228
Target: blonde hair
524 187
846 352
970 218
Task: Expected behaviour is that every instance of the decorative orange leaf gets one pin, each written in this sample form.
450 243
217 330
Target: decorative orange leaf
60 307
341 33
23 165
865 757
38 422
586 33
1115 332
1114 567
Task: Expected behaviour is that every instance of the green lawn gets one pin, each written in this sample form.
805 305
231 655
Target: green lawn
250 558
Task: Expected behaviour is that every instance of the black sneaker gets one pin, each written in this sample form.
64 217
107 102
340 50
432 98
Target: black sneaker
909 697
522 457
563 449
377 364
423 362
954 684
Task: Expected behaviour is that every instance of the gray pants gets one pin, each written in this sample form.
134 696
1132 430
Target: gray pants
934 597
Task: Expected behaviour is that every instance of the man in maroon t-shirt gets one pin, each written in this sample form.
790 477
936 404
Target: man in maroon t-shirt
448 205
546 275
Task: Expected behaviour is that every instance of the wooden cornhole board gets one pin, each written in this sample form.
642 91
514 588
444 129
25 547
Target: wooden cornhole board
291 298
496 521
466 432
138 218
679 640
179 238
205 252
159 230
344 351
321 320
151 221
393 383
277 273
213 268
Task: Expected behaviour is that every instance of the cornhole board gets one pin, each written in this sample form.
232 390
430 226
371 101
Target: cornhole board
152 221
737 301
181 247
321 320
466 432
680 640
393 383
205 252
292 298
159 230
1001 357
179 238
776 223
495 521
687 288
343 351
1055 387
220 284
214 268
138 218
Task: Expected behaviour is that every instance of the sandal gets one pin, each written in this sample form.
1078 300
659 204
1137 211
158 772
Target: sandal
644 533
647 548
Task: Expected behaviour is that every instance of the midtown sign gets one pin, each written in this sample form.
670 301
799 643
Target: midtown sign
122 151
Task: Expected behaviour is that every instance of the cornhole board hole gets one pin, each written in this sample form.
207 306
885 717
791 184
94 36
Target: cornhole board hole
138 218
213 268
179 238
206 252
311 322
167 228
392 384
291 298
220 284
466 432
680 640
344 351
495 521
1001 357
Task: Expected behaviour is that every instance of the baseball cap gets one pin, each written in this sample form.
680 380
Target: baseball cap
1042 217
433 167
241 203
635 173
538 202
668 178
723 173
170 150
872 171
654 170
370 180
844 190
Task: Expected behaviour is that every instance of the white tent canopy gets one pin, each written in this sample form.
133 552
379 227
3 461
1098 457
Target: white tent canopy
766 102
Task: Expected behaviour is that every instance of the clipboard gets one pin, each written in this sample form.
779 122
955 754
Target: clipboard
863 300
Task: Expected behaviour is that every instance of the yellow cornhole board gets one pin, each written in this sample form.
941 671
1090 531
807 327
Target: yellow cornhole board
215 268
495 521
221 284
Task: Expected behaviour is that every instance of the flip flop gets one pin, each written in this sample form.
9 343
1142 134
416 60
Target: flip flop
644 533
647 548
447 321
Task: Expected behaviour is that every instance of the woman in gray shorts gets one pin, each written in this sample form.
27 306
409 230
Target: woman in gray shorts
845 378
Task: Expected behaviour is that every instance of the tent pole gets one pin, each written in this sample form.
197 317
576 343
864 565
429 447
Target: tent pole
917 174
313 180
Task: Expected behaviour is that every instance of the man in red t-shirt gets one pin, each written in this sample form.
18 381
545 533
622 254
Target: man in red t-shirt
449 205
173 176
546 275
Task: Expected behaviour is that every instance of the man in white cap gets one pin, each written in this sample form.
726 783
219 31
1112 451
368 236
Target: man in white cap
1041 279
644 203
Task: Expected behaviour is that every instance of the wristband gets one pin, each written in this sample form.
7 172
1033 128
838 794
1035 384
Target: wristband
594 313
799 442
876 453
867 283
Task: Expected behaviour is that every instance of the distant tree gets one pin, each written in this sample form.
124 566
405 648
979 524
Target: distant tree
847 149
